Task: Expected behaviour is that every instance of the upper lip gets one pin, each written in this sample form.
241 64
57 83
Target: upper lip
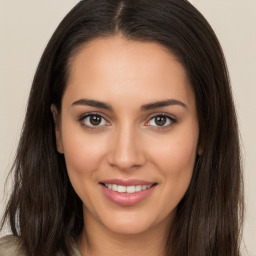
130 182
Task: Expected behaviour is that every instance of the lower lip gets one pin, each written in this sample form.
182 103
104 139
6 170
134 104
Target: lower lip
126 199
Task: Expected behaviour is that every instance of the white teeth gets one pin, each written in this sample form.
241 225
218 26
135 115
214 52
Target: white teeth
138 188
127 189
121 189
130 189
114 187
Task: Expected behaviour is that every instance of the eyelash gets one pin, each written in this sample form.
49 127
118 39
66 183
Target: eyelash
172 121
93 127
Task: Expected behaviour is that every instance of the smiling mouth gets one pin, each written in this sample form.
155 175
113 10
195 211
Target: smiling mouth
127 189
127 192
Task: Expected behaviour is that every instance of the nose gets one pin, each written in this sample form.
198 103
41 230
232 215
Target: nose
127 151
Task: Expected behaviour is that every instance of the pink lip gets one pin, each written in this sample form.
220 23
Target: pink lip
126 199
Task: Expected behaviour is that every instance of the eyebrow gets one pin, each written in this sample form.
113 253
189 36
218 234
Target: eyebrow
158 104
92 103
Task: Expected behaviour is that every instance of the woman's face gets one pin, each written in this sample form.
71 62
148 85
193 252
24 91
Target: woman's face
128 129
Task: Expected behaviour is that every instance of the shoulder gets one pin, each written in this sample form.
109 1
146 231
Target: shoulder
11 246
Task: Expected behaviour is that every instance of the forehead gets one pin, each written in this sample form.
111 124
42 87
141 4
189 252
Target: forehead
117 67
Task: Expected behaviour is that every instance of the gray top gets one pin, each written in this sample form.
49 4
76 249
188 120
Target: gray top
11 246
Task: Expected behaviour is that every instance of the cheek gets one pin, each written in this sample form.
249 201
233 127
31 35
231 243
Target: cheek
175 161
178 157
83 153
175 154
175 158
83 157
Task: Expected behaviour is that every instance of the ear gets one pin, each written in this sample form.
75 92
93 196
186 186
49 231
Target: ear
200 147
199 151
56 119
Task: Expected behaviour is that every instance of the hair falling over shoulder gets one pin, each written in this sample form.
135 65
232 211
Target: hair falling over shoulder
44 210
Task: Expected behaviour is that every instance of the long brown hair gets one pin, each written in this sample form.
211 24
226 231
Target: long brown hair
46 213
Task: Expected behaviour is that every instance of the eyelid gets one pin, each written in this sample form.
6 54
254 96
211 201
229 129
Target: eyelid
85 115
172 119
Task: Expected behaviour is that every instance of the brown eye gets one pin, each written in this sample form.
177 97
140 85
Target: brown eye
93 120
161 121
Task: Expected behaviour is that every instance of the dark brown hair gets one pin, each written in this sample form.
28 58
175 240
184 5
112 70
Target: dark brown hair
45 211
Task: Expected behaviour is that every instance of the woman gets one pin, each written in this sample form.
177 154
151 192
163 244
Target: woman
130 143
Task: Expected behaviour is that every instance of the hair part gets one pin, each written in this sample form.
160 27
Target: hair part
44 209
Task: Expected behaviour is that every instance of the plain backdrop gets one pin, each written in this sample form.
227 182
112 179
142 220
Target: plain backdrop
26 26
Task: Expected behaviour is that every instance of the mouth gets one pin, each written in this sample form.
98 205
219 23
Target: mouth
127 189
127 193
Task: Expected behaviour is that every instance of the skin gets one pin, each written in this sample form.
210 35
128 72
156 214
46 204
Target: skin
129 143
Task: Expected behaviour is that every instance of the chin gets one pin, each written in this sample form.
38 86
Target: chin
131 223
127 229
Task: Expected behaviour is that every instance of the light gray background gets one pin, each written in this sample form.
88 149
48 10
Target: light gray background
26 26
